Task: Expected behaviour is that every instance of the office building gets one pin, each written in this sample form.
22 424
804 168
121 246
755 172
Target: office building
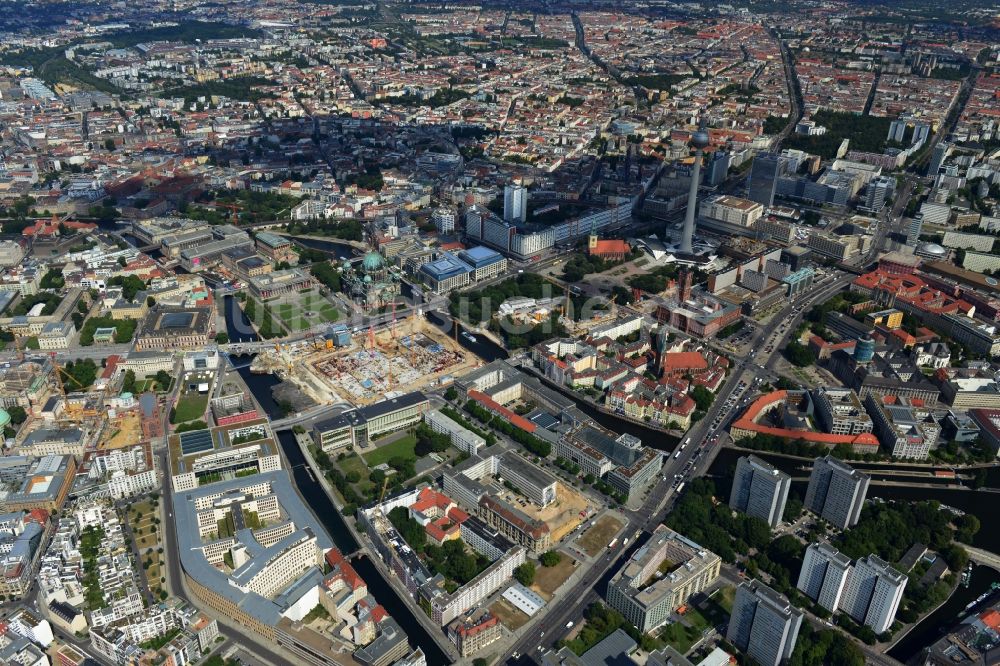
763 624
485 263
760 490
446 606
872 593
798 282
733 210
836 492
763 180
824 575
45 486
839 411
474 632
444 220
445 273
879 190
359 426
515 203
530 480
904 427
661 576
717 168
938 156
514 524
914 229
981 338
461 437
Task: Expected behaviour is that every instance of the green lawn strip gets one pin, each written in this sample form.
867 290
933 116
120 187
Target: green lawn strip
402 447
189 407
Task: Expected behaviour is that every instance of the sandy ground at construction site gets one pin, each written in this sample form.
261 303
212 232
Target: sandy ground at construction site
123 431
339 374
562 516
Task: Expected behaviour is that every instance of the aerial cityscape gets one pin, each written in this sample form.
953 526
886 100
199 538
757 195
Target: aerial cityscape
560 333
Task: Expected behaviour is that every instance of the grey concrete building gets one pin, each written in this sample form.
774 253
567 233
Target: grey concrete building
760 490
763 624
836 491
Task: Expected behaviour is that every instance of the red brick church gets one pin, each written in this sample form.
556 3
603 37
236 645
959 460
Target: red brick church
609 250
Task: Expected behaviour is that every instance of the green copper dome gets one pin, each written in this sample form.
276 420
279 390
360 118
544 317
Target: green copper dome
4 418
372 262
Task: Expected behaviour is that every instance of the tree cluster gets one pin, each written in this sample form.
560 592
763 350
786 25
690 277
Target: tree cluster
535 445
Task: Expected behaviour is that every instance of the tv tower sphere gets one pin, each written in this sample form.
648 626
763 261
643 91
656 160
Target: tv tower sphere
700 140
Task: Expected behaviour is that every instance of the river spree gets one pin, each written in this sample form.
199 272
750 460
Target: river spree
317 499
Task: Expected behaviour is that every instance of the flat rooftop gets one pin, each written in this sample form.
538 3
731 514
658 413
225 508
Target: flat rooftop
195 565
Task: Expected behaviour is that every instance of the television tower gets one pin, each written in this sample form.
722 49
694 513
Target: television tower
699 140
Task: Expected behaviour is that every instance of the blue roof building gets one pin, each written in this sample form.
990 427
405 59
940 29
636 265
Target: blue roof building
486 263
445 273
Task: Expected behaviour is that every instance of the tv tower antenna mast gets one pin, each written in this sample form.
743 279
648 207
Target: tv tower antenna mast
699 141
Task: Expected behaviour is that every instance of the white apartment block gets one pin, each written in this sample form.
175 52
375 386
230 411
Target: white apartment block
873 592
824 574
270 577
124 484
462 438
760 490
446 607
836 492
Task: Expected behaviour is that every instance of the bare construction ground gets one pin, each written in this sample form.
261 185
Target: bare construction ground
600 535
510 617
562 516
416 356
122 431
550 579
404 363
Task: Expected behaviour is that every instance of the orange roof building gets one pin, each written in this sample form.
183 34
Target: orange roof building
610 249
747 425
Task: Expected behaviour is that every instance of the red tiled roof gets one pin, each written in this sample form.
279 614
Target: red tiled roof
748 422
610 247
336 560
379 613
676 361
991 618
515 419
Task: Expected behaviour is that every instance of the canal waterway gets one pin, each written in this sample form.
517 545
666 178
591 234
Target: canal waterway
333 248
927 631
976 503
317 499
940 622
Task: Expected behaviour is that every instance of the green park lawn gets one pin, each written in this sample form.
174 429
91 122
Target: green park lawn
190 407
402 447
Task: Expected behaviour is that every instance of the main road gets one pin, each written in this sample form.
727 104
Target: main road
691 462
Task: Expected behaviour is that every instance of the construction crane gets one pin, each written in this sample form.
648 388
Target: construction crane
565 288
381 521
234 210
58 373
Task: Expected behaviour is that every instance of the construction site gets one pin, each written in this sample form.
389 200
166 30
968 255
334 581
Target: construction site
374 364
562 516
